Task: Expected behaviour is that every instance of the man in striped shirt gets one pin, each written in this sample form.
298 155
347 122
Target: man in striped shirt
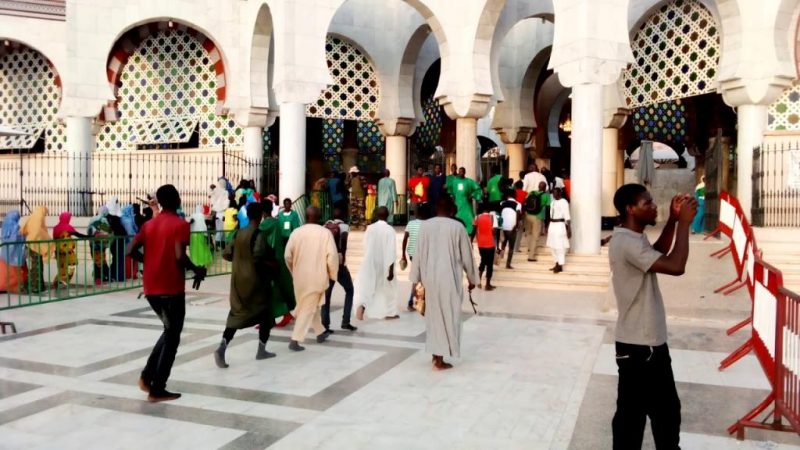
410 242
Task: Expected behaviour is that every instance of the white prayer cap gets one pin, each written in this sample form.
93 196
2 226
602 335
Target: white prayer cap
354 169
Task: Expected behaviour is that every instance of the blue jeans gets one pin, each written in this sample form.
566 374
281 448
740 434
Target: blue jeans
346 281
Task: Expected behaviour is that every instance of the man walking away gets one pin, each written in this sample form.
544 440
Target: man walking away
533 179
511 213
559 232
340 231
646 384
312 259
438 185
486 245
164 240
443 252
387 194
254 264
534 217
410 242
375 284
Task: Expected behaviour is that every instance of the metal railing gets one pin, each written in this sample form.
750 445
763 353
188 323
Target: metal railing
776 185
82 183
63 269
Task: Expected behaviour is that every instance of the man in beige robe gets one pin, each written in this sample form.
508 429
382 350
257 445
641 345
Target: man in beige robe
312 259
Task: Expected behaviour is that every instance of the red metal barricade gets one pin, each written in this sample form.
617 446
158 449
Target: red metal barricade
766 341
727 216
787 349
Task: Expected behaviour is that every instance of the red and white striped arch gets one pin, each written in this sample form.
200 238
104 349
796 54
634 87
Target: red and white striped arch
127 44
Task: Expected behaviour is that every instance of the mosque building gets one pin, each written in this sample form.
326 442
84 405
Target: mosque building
120 95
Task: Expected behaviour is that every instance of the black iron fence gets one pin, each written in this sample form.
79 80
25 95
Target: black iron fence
776 185
81 183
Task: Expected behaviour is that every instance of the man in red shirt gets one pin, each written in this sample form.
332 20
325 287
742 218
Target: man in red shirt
418 189
164 240
484 226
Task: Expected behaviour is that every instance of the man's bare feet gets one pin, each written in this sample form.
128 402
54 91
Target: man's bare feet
439 364
508 266
392 317
489 287
360 312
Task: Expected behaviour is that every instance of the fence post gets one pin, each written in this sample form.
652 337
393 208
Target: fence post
756 209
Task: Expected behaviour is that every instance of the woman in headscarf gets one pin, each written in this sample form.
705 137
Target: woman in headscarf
66 253
117 244
13 272
199 252
35 230
129 223
230 221
100 230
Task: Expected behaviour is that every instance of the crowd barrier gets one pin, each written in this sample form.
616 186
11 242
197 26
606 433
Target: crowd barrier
37 272
775 320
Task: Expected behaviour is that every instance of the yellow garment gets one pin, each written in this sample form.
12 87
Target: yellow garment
35 229
419 190
229 221
372 201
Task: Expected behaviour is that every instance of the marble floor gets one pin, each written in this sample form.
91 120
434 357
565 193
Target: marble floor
537 372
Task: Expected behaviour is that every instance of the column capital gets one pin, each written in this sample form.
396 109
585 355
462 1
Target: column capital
397 126
255 117
472 106
737 91
517 135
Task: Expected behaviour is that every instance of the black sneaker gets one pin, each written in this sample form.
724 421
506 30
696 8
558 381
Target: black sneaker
163 396
349 327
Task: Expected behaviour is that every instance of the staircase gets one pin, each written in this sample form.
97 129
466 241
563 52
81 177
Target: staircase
581 273
781 248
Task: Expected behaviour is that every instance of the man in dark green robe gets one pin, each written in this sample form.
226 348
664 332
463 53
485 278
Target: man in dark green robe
254 263
283 301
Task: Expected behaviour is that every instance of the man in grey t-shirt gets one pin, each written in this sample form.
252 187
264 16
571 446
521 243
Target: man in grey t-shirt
646 384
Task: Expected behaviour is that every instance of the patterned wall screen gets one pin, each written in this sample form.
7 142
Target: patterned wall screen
675 55
266 137
167 90
664 122
332 138
371 148
428 132
29 99
355 93
784 113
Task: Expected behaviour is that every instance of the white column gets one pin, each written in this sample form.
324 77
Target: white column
516 159
292 151
396 161
466 142
610 142
620 161
80 145
254 152
586 167
752 121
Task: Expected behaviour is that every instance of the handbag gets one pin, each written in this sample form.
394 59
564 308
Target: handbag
419 298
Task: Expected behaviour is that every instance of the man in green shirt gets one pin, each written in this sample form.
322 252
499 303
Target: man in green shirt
464 190
452 177
493 191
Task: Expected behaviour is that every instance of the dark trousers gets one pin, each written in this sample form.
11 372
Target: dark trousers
171 309
646 389
510 238
487 262
346 281
264 328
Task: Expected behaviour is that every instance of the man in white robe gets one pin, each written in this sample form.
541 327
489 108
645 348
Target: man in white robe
376 287
313 261
443 252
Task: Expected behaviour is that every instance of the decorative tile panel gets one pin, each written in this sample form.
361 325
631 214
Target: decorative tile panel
663 122
371 147
429 131
30 95
675 55
784 113
171 78
355 93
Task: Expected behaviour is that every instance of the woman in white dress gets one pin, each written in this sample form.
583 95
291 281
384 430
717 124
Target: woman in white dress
559 232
